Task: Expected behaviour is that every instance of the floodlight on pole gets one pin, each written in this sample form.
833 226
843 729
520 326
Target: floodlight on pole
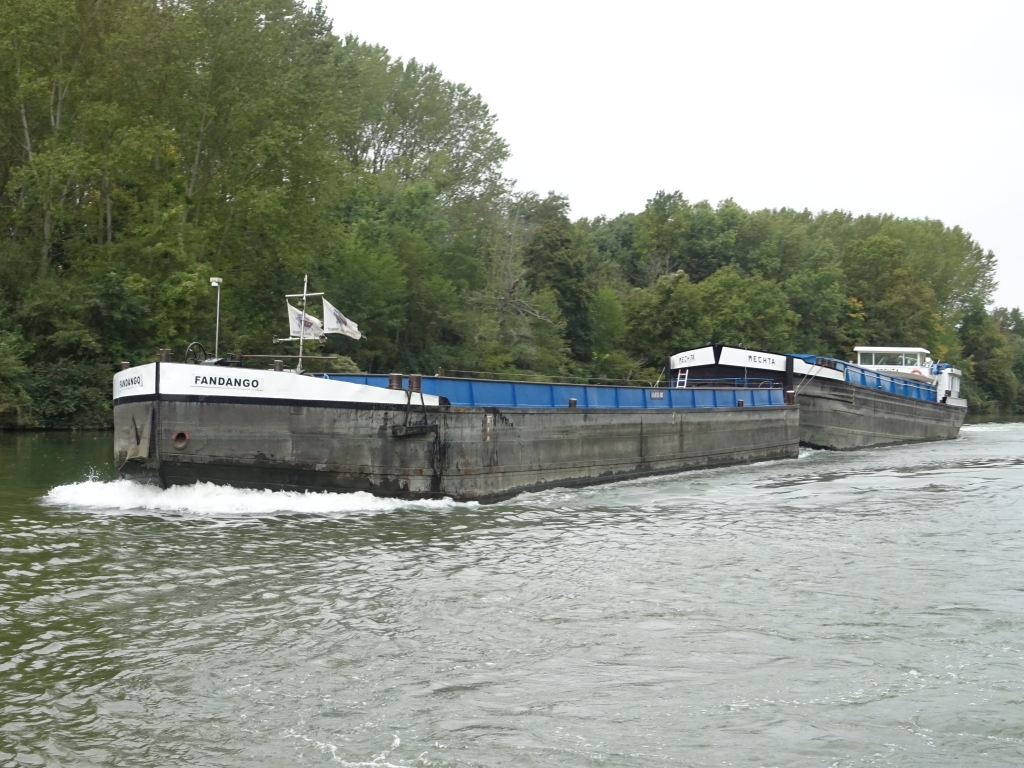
215 282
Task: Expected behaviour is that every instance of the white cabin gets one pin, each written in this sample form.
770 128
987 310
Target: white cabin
901 360
912 363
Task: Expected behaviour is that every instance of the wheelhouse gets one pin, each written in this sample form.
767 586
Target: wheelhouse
892 357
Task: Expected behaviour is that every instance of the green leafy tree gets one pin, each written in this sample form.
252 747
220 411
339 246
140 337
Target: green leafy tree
417 125
665 318
747 311
14 400
990 354
556 257
899 306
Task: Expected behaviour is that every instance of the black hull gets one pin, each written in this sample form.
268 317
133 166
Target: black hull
478 453
840 416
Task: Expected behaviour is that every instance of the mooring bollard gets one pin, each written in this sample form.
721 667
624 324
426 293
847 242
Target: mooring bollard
395 381
572 402
415 382
279 365
165 355
125 365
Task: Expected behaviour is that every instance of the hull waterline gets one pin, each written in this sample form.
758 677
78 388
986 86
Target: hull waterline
483 454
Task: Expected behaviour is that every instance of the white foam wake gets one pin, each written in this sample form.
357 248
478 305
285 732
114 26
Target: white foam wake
219 500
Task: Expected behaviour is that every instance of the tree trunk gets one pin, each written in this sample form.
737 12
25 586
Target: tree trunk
110 229
28 138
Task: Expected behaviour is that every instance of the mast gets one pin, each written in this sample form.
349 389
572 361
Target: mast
302 325
305 295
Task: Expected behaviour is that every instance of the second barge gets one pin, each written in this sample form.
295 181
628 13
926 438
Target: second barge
892 395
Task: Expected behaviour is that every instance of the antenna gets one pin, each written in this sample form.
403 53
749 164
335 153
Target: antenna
215 282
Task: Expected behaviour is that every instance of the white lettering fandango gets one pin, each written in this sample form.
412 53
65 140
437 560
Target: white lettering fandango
234 382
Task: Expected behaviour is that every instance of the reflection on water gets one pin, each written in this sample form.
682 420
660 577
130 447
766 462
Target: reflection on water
838 609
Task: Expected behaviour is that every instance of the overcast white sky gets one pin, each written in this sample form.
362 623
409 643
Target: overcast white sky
915 109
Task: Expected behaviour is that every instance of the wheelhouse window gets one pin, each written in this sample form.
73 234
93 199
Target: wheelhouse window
888 358
897 357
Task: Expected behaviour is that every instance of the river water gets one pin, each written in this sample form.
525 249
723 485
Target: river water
836 610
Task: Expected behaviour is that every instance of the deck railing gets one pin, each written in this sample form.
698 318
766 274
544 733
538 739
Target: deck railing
528 394
895 385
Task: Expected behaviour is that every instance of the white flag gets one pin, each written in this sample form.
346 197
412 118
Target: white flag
335 322
313 330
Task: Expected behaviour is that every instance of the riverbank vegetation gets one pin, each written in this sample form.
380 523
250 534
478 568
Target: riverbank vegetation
146 146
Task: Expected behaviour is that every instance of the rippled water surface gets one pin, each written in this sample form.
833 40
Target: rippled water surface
838 609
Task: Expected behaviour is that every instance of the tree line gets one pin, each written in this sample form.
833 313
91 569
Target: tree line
147 145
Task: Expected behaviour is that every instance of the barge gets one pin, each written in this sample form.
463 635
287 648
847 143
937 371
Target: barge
891 395
428 437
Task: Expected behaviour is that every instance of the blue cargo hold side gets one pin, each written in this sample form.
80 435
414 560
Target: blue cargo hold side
528 394
602 397
865 377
